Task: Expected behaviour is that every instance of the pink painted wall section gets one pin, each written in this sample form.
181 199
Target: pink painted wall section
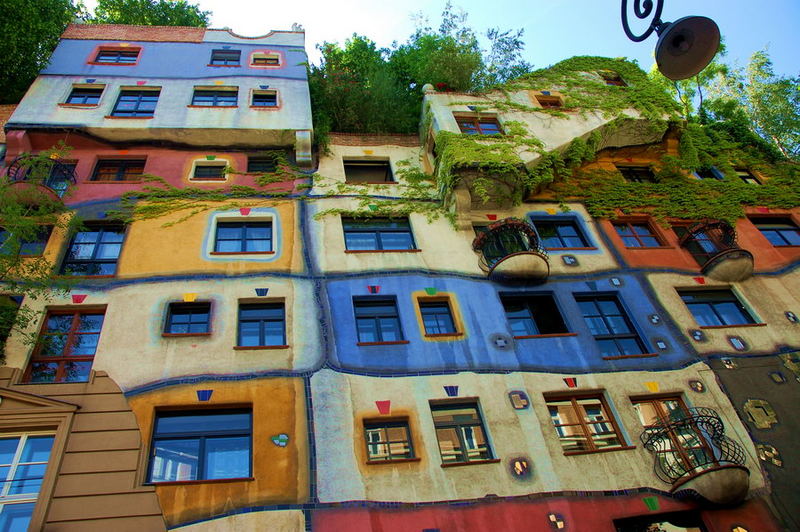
585 514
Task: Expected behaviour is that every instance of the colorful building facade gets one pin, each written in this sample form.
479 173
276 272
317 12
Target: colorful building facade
469 329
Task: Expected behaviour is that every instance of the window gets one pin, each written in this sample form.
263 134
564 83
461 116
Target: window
136 103
262 325
715 307
583 423
215 98
459 429
118 170
265 59
23 462
209 172
188 318
549 102
264 99
703 243
711 172
261 164
243 237
388 440
377 320
610 326
117 56
368 172
377 234
27 246
66 347
560 234
612 78
84 96
479 126
746 176
533 315
637 174
201 445
637 235
94 251
779 231
437 317
225 57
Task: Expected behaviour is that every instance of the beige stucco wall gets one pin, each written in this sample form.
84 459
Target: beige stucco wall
330 174
273 521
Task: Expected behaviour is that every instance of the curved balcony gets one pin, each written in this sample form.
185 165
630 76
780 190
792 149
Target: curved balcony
511 250
712 243
32 176
694 455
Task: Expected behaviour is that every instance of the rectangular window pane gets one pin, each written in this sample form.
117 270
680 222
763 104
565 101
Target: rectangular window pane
227 457
175 460
16 517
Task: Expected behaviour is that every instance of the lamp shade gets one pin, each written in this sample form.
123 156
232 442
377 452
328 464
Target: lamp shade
686 47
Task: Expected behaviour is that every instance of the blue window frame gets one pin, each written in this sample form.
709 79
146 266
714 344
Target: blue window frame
84 96
377 234
715 307
243 237
560 234
225 57
136 103
201 445
262 325
610 325
117 56
377 320
94 251
437 317
188 318
215 98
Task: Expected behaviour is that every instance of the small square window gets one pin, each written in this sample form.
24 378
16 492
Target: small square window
356 171
26 247
84 96
584 423
265 59
479 126
714 308
747 177
243 237
779 231
560 234
460 432
609 324
549 102
612 78
262 325
437 317
136 104
637 174
118 170
533 315
209 172
637 235
215 98
264 165
94 251
377 234
377 320
201 445
264 99
387 440
117 56
225 57
188 318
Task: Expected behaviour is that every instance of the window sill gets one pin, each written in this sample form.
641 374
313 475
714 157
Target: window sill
208 179
444 335
224 66
212 106
259 347
398 342
395 461
733 325
112 117
111 182
472 462
554 335
111 64
649 247
205 481
786 246
80 105
181 335
623 448
371 182
382 250
242 253
571 249
265 107
622 357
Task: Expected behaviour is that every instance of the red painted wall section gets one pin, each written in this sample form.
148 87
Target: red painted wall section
173 165
585 514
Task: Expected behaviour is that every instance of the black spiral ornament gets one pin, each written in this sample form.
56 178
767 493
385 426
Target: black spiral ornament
643 10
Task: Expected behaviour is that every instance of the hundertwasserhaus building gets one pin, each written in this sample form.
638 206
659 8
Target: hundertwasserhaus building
556 308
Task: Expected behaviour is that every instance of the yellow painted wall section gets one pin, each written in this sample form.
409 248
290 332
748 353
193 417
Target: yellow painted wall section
280 474
272 521
154 247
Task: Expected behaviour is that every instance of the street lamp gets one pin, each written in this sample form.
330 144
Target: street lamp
684 48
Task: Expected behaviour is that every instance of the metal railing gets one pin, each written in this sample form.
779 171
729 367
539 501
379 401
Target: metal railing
504 238
55 175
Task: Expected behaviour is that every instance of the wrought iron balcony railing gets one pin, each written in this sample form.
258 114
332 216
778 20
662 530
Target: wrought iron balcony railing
713 245
55 175
514 239
689 443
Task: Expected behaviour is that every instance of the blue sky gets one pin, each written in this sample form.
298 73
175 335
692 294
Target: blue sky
554 29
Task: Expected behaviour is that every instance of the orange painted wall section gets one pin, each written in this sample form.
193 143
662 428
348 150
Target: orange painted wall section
280 474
